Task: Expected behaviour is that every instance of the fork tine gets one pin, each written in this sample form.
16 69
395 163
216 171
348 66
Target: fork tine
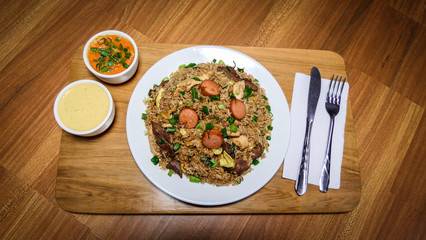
341 90
329 87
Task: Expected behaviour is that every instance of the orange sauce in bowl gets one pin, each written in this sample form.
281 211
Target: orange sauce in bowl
110 54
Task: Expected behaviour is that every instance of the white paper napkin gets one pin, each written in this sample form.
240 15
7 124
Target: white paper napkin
319 133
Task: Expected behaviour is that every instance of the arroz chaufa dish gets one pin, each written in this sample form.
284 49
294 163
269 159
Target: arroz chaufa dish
209 122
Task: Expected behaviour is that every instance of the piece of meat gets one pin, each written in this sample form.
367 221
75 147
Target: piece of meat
212 139
231 73
240 166
227 148
188 117
209 88
256 152
175 167
237 108
186 84
238 89
241 141
162 138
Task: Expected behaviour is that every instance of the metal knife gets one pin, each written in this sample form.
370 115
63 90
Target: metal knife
314 92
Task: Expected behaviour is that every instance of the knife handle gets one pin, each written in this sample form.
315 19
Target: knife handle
302 178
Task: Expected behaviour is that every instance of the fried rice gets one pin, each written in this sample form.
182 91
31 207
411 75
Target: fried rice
180 149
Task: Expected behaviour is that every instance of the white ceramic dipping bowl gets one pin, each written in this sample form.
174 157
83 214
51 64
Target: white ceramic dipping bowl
119 77
98 129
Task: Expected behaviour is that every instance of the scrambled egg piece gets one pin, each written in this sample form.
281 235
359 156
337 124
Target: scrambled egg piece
217 151
226 161
157 100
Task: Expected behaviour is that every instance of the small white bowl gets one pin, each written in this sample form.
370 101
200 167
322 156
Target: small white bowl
119 77
104 125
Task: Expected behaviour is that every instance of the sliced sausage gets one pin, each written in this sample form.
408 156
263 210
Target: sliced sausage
237 108
175 167
188 117
212 139
209 88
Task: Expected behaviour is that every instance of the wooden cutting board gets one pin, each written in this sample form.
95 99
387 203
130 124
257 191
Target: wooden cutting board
99 175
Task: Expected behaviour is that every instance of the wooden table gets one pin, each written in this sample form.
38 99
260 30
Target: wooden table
382 43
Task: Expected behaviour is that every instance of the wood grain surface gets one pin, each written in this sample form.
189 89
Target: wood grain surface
99 175
381 41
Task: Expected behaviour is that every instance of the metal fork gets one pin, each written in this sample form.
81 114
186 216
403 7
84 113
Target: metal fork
332 105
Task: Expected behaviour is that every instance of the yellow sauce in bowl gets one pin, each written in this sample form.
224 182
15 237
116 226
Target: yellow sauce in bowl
83 107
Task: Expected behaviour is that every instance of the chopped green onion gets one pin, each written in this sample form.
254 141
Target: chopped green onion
214 60
173 121
183 93
265 98
224 86
221 62
117 39
199 126
93 49
182 66
268 107
194 93
176 147
240 70
215 98
194 179
144 116
196 79
189 156
268 137
162 141
255 162
203 158
127 55
261 132
256 80
155 160
205 110
220 106
209 126
170 173
190 65
233 128
239 181
215 117
125 65
224 133
270 127
248 92
231 120
255 119
227 68
171 129
165 79
189 104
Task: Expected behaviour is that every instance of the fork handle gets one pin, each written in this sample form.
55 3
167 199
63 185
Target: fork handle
302 178
325 172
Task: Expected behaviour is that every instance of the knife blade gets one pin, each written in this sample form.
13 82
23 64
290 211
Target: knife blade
314 92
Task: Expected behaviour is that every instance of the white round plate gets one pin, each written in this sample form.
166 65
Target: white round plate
181 188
